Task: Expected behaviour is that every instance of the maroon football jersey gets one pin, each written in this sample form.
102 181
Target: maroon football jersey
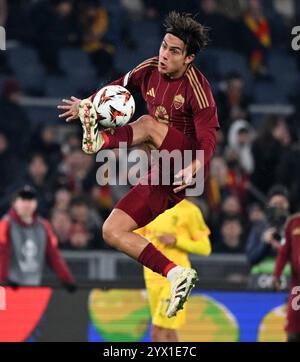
185 103
290 250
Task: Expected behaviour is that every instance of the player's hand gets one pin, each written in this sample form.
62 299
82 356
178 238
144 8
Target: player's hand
167 239
276 284
71 108
183 179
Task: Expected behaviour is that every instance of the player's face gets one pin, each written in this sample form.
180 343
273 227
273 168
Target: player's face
172 57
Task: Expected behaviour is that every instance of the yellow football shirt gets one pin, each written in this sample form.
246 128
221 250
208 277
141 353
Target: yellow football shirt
186 223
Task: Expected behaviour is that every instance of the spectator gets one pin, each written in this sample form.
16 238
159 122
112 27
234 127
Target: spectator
256 214
238 179
288 172
256 38
266 235
240 138
71 142
232 101
62 199
231 236
102 198
221 26
13 119
77 171
37 176
269 149
44 142
54 26
25 240
86 225
230 208
61 223
95 23
217 183
10 168
81 238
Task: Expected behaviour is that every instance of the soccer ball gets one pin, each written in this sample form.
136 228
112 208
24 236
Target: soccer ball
114 105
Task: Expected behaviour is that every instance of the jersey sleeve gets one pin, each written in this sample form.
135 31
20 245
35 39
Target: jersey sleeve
204 110
195 238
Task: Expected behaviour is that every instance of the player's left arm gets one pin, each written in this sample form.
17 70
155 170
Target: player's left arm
194 238
206 125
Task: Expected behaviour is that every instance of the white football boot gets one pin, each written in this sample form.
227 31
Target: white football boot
92 139
181 287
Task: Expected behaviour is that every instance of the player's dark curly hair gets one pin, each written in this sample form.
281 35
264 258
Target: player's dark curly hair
186 28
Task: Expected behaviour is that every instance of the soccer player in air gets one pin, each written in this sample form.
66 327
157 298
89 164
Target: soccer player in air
176 232
182 116
290 251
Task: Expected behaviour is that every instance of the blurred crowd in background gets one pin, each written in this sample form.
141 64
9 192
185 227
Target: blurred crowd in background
59 48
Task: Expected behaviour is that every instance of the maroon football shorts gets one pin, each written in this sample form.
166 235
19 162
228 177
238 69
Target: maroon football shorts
145 202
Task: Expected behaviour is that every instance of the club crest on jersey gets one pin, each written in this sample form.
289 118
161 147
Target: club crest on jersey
178 101
161 114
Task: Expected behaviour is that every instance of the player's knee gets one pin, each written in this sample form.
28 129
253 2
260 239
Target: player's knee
149 123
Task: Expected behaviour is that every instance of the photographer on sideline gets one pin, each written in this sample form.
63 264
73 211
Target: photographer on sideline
266 237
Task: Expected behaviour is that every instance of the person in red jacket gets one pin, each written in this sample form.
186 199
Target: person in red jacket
290 251
26 242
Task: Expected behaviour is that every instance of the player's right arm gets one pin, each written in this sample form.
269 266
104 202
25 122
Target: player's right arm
131 80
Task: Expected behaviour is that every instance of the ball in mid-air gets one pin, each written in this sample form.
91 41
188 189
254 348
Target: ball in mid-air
114 105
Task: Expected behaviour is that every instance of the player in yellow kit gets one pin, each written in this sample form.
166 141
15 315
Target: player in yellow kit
176 232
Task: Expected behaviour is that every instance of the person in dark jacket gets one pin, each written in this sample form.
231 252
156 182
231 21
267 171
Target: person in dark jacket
266 236
26 242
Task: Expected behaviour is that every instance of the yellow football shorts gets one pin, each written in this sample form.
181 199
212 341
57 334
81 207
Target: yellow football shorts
158 296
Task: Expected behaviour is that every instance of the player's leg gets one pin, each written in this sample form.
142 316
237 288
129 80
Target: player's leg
172 335
140 206
146 128
118 233
161 334
158 334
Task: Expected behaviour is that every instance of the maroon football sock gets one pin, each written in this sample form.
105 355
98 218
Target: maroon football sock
121 134
153 259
